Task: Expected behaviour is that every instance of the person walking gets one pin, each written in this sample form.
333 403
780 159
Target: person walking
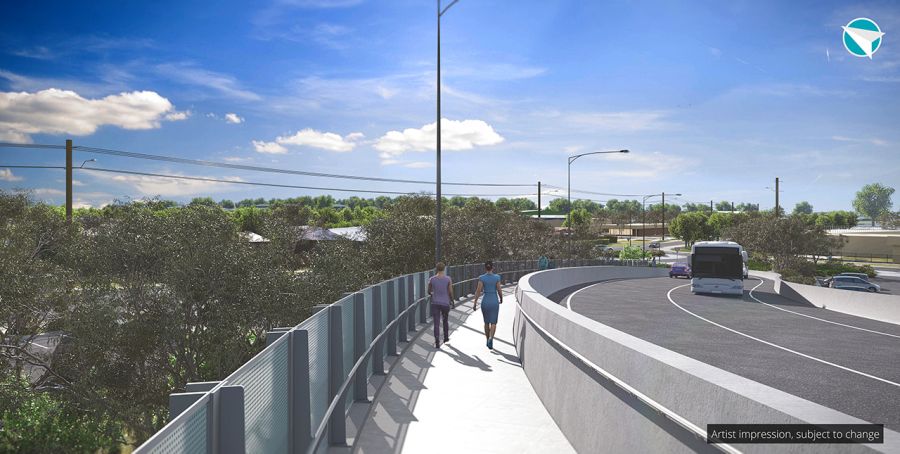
440 288
489 284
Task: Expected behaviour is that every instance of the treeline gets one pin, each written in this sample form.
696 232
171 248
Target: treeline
143 297
791 245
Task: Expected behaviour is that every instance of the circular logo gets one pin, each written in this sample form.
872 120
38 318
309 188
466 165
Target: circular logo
862 37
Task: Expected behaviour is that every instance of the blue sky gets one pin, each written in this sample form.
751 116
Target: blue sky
715 99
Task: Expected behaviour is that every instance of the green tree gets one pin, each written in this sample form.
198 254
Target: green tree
803 207
558 205
873 200
724 205
203 201
227 204
691 227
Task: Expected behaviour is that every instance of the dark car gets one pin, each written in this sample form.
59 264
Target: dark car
654 245
680 269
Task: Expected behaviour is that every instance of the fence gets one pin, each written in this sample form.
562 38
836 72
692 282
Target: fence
844 256
296 393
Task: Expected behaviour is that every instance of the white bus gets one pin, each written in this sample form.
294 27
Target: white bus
718 267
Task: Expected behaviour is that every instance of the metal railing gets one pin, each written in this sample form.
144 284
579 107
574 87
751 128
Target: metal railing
296 392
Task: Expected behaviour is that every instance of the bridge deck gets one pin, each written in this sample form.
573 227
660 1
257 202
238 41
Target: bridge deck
461 397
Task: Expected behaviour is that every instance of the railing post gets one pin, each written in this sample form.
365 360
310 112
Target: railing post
360 384
377 328
391 346
301 410
411 301
231 420
337 425
401 305
423 305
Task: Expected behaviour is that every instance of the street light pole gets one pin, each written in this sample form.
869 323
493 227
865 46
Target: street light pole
438 199
569 185
644 217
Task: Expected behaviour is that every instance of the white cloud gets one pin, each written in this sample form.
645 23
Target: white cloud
419 165
178 116
190 74
620 121
455 135
233 118
7 175
643 166
873 140
55 111
14 136
310 138
268 147
168 187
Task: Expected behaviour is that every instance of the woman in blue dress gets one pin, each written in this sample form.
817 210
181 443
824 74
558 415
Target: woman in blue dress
489 285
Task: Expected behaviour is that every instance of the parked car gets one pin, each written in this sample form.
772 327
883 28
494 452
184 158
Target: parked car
853 283
654 245
680 269
862 276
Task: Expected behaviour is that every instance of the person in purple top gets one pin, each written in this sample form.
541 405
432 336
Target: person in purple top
440 288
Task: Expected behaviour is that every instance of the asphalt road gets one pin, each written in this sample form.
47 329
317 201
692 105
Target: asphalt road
847 363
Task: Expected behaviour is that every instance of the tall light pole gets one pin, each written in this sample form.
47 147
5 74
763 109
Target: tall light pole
569 197
644 217
437 210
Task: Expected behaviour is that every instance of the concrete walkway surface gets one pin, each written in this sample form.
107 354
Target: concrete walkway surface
461 398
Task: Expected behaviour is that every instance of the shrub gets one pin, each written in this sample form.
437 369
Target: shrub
832 268
759 265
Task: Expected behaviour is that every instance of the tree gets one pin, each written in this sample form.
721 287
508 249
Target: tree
691 227
724 206
785 240
691 207
803 207
873 200
747 207
203 201
558 205
227 204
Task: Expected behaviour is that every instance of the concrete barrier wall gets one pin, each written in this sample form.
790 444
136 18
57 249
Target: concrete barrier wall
875 306
597 415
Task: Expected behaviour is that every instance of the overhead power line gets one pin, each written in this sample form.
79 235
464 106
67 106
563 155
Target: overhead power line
275 185
225 165
581 191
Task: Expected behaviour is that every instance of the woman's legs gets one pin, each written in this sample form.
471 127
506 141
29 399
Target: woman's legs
487 330
493 330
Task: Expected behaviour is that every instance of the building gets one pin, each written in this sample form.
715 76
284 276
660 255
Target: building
634 229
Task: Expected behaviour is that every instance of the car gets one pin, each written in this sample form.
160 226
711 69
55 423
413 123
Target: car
862 276
746 272
853 283
654 245
680 269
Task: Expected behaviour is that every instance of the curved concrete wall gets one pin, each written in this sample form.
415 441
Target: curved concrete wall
876 306
596 415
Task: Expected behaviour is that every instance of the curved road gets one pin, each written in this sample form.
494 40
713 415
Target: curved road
847 363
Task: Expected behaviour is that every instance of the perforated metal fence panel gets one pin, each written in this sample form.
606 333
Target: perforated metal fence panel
187 438
318 366
265 380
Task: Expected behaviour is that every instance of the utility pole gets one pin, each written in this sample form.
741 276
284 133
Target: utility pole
777 210
437 200
539 199
664 217
69 181
732 207
711 210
